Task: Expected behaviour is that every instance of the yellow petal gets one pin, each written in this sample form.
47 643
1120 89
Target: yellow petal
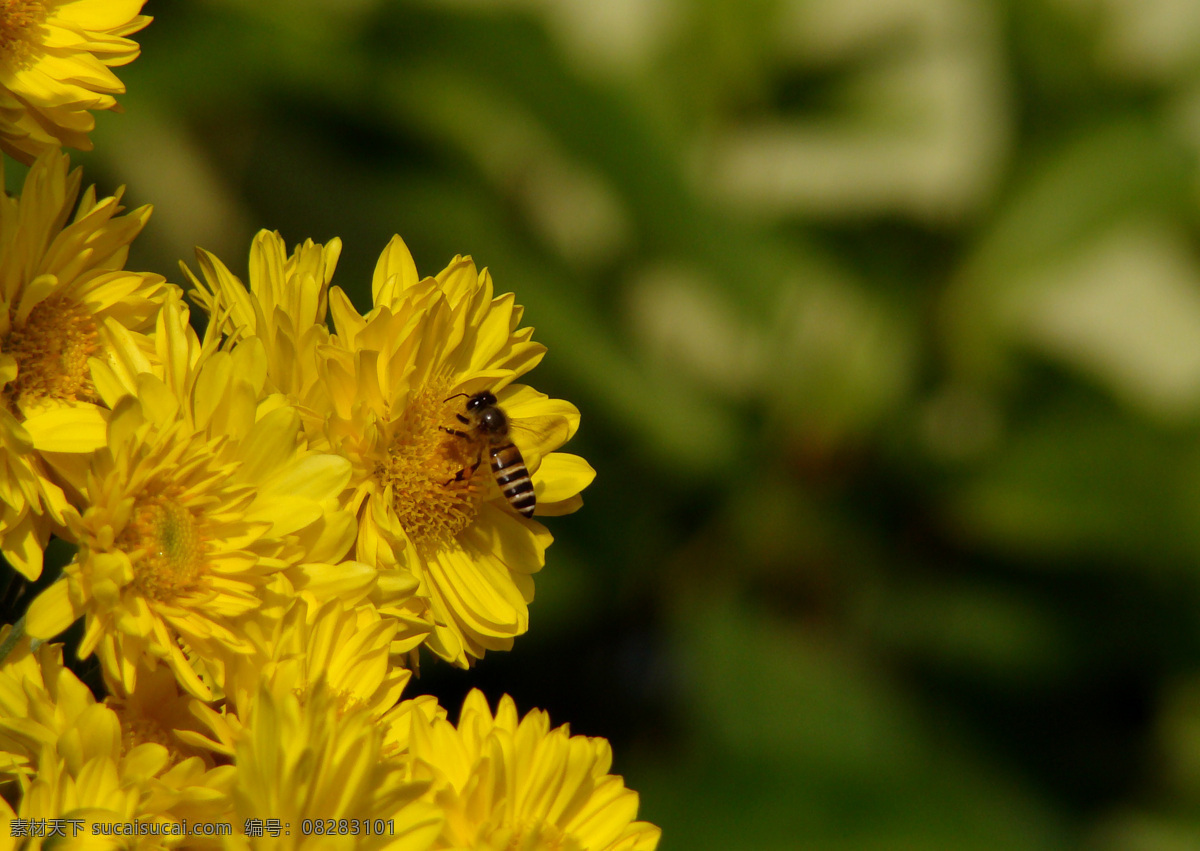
23 544
98 14
349 580
70 428
561 476
513 540
395 272
53 611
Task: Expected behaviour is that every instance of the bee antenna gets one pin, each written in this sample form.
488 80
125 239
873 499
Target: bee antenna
455 396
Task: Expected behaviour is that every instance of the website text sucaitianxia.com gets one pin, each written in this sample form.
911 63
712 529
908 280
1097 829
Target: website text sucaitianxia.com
73 828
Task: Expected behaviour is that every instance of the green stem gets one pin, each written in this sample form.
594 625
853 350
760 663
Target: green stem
14 635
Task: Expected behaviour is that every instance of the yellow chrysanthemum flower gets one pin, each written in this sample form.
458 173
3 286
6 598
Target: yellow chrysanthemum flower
92 799
308 761
287 310
79 802
162 713
348 649
389 391
55 57
205 509
40 700
504 784
287 307
65 756
65 299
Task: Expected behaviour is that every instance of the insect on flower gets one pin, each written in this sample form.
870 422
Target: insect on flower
488 429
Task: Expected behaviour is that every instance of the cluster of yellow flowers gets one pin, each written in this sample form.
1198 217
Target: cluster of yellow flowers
271 520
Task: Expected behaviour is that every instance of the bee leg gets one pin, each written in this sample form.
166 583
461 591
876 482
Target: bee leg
464 474
475 466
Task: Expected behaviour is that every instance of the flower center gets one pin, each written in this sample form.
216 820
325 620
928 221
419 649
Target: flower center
345 699
52 350
20 25
138 729
171 545
431 471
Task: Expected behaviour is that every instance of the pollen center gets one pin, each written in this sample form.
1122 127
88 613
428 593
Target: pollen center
52 350
171 546
20 22
432 471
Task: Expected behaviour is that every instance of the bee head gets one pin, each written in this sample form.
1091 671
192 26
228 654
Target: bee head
489 419
483 399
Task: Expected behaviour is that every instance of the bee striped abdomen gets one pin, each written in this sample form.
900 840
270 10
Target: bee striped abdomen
513 478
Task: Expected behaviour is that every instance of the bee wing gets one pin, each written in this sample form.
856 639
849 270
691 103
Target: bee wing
538 436
537 424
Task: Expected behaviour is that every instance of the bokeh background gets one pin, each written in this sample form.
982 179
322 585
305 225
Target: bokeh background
884 319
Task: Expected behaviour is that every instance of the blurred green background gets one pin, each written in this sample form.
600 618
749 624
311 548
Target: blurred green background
884 320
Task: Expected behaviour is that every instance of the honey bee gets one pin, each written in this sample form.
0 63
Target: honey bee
488 428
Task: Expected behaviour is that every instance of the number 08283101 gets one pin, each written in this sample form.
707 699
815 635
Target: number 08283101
348 827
